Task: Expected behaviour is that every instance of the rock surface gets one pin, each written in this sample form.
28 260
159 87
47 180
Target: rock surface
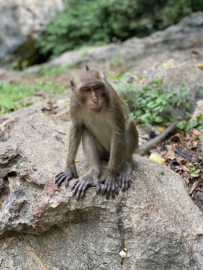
42 227
20 22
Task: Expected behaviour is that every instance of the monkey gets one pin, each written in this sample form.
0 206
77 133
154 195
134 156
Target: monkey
100 119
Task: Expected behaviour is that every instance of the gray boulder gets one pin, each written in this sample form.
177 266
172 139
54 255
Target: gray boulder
155 223
21 21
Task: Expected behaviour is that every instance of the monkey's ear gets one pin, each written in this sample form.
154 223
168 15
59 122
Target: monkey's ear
71 83
87 68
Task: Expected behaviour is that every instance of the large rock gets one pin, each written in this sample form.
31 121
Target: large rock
20 22
43 227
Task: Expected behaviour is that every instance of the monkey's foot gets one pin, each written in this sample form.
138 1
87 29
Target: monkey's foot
81 185
63 176
110 187
124 174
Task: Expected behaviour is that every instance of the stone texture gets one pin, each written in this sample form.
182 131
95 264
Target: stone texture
21 21
43 227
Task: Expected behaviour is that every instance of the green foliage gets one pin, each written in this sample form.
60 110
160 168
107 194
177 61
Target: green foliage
197 123
96 22
12 96
19 65
152 104
47 71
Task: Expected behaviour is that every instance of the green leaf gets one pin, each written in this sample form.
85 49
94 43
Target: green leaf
192 167
199 117
194 174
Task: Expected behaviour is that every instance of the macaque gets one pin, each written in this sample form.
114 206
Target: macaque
100 118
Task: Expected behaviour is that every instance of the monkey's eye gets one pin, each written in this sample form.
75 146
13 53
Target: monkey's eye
98 87
86 89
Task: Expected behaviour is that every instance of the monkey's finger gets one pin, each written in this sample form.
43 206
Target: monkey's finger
60 181
76 182
102 181
75 187
60 176
120 182
123 185
84 188
67 182
80 189
108 188
75 175
98 188
129 183
107 195
77 197
117 190
126 183
104 189
113 193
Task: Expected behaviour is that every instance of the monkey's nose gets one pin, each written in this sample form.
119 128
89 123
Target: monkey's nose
95 100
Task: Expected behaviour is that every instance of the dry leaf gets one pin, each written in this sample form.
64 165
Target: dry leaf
142 80
185 169
195 132
156 158
176 137
194 186
161 129
48 100
200 66
63 100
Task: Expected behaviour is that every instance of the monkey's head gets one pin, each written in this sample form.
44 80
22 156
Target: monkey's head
89 87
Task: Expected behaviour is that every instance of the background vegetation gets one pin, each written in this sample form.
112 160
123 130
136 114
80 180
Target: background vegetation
96 22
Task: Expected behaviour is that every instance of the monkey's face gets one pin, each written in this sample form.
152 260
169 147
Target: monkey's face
92 96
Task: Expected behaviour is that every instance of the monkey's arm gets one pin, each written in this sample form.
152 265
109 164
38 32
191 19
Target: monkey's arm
110 181
70 170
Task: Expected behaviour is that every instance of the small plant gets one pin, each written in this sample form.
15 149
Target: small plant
84 54
54 71
19 65
12 96
152 104
186 125
116 61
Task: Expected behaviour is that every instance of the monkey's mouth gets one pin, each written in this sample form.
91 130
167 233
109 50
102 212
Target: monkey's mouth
96 109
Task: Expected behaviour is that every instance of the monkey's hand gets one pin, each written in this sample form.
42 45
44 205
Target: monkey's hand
110 186
124 175
66 176
81 185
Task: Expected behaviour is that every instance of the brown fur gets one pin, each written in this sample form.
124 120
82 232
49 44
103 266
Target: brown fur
101 119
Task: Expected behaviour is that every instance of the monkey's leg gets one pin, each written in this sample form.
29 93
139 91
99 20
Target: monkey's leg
131 144
93 151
